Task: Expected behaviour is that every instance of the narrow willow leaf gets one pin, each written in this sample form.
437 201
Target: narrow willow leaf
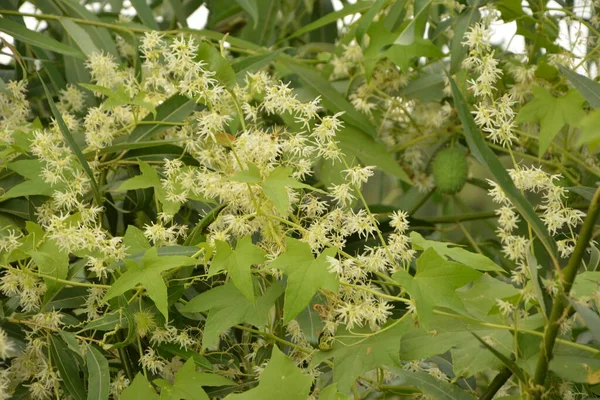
67 367
533 266
251 8
72 144
263 32
80 36
20 32
332 17
591 319
510 364
457 50
180 12
145 13
367 18
332 99
432 387
98 376
101 36
241 66
175 109
486 157
115 148
589 89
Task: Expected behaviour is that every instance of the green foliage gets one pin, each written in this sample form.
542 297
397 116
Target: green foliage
258 208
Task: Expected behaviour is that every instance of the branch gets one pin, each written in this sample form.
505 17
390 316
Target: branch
561 302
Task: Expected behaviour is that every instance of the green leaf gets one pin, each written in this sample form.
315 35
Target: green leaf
348 9
238 263
480 299
145 13
101 36
98 376
72 144
79 36
306 275
331 393
474 260
215 62
251 8
188 383
458 51
401 55
588 88
275 186
251 175
433 387
367 18
369 151
535 280
435 284
332 99
35 183
134 241
67 367
148 274
140 389
242 66
262 33
175 109
148 178
472 358
552 112
486 157
510 364
228 307
281 379
586 284
107 322
116 148
591 318
590 133
354 355
52 261
20 32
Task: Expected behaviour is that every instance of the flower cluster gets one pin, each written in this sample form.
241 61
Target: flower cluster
554 214
495 116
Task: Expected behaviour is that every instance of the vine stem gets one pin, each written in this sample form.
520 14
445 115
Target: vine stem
561 304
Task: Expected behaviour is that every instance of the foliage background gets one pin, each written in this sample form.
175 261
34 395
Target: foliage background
175 221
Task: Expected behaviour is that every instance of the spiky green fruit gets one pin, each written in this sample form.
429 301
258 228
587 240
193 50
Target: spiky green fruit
450 170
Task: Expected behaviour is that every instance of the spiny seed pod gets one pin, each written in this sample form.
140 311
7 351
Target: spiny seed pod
450 170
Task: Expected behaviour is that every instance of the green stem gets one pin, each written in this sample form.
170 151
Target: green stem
561 302
63 281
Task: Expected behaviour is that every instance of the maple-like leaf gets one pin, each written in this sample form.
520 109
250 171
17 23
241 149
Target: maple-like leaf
353 355
238 262
140 389
228 307
452 251
148 274
189 384
274 186
149 179
552 113
435 284
306 275
281 379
